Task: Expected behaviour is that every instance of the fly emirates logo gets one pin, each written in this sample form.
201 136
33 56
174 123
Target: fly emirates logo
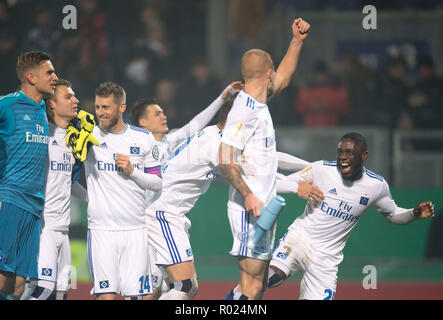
342 212
110 166
39 137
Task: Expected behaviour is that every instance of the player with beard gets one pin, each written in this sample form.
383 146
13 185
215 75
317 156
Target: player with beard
118 171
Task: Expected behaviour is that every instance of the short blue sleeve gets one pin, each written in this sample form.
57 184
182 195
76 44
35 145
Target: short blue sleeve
7 120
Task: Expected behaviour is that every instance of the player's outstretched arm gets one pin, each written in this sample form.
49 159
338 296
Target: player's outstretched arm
290 163
202 119
387 207
285 70
302 188
231 170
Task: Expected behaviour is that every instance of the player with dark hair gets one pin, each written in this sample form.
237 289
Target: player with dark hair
148 114
314 242
24 137
187 174
54 257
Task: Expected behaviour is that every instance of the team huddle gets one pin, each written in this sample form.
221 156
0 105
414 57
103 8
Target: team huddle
142 180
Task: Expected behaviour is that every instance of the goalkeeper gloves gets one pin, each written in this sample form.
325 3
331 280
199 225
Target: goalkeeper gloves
79 136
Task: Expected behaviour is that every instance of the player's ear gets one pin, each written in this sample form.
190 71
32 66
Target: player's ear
123 107
142 122
364 156
31 77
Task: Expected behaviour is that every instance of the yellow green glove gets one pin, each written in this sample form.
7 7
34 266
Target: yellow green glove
72 135
81 155
79 135
87 124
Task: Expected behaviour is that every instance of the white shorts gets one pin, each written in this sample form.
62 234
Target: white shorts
169 235
54 258
242 227
158 274
119 262
294 253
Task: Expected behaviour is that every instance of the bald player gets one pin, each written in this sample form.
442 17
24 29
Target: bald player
248 157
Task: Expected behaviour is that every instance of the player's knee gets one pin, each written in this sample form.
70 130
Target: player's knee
276 277
189 287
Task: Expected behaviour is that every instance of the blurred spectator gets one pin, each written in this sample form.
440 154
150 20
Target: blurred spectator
8 50
425 102
197 90
151 43
138 80
94 43
83 54
245 19
357 78
388 97
186 26
44 34
323 101
281 107
166 93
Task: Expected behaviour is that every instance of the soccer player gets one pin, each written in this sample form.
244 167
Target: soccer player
118 171
54 257
248 156
314 242
187 175
147 114
24 136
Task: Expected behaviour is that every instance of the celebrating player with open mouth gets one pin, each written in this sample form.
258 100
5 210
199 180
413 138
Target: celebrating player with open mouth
315 240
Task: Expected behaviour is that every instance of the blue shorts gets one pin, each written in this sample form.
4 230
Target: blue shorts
19 241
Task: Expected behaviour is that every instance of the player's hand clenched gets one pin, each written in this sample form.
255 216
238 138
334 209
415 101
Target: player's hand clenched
123 162
424 210
300 29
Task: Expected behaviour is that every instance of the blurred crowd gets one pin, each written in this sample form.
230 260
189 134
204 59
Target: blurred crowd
353 94
156 48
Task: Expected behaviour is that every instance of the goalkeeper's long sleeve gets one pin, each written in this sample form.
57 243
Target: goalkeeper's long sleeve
79 192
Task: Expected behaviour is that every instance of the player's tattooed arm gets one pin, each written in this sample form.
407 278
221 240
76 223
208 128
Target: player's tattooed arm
228 163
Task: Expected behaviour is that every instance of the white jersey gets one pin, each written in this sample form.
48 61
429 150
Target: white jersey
165 148
189 171
249 128
327 225
174 137
116 202
56 212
